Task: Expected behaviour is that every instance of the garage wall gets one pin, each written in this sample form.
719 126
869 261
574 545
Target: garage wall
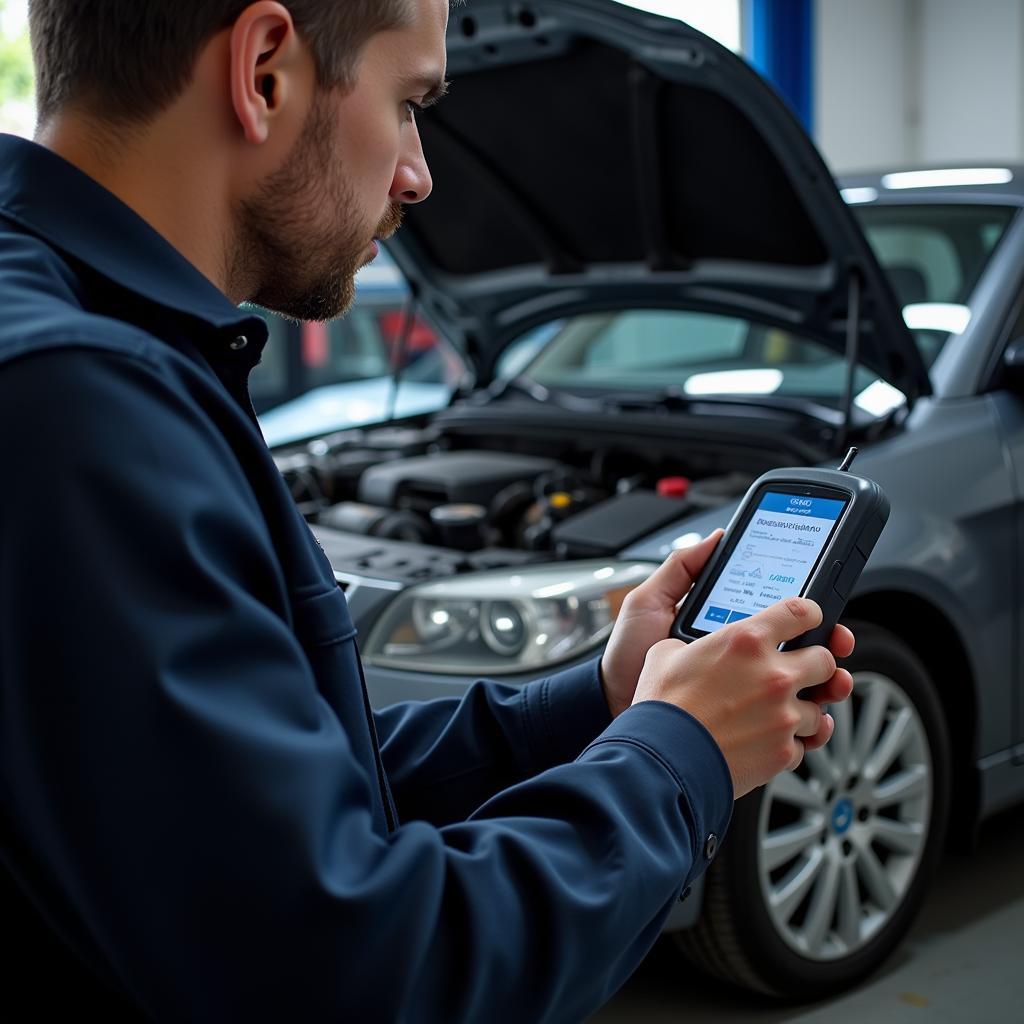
917 82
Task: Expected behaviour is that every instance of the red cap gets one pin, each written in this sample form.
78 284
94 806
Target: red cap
673 486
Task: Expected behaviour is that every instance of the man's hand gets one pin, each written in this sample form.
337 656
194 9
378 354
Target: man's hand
646 617
745 691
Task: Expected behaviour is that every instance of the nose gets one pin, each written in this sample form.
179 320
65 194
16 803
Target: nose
412 182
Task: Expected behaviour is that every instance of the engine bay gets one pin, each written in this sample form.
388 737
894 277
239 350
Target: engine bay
417 503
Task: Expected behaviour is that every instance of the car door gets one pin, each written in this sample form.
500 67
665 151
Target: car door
1006 391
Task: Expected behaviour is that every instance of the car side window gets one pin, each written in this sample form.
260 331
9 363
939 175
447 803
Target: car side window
922 263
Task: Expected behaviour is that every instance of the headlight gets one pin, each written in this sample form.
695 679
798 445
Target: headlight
504 621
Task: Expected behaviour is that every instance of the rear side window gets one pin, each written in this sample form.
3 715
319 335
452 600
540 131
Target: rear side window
934 257
933 253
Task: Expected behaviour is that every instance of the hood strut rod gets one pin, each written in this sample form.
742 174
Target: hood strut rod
852 356
399 352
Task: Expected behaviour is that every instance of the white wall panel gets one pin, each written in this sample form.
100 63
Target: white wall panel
918 82
971 83
859 88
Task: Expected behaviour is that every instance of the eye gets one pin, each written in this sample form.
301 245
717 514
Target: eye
412 108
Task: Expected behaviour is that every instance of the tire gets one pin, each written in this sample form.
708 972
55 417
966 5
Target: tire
825 868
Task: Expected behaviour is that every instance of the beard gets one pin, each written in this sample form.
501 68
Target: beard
300 239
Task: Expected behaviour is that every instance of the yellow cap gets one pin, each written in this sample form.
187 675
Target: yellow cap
560 499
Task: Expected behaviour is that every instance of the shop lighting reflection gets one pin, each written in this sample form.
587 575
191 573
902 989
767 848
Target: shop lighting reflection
945 178
555 590
687 540
734 382
852 196
937 316
879 398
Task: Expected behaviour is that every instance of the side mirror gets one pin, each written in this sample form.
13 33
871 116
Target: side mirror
1013 357
1012 376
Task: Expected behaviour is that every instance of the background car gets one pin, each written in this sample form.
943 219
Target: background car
712 309
368 367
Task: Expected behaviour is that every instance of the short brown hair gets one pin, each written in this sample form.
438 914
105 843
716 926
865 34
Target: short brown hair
127 60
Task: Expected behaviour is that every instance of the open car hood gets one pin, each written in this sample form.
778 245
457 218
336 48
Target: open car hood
593 156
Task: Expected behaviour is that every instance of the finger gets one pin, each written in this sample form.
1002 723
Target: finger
823 735
798 755
786 620
809 667
671 581
833 691
810 719
842 642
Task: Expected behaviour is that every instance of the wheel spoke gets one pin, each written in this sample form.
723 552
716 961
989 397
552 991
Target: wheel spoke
869 724
872 873
784 844
822 767
899 836
905 785
789 788
898 734
848 915
823 905
842 738
787 897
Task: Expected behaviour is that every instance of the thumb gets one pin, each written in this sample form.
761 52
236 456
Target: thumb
789 619
672 580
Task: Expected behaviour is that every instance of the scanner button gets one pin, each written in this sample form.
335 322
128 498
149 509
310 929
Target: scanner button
849 574
833 573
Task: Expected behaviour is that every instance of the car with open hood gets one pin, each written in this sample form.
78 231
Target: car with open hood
631 206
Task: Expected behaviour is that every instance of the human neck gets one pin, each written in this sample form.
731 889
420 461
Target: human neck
170 182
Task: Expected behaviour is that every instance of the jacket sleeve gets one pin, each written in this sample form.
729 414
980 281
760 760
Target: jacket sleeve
446 757
197 812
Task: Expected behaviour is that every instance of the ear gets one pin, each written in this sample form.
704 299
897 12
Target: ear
263 46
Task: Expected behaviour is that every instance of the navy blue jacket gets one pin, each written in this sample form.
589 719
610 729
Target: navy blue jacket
194 793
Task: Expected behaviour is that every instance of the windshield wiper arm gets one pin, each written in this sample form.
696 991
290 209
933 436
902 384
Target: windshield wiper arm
522 385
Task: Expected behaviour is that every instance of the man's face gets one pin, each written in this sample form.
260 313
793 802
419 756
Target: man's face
314 222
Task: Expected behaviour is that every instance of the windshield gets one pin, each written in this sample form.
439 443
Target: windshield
933 255
691 353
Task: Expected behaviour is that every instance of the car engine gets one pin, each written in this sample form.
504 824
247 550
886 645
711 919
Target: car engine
492 507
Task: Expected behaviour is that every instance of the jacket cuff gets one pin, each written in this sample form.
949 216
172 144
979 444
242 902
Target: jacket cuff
564 713
689 753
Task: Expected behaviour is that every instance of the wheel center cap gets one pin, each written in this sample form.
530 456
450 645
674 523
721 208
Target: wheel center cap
842 815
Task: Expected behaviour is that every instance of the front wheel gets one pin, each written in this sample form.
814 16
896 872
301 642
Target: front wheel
825 868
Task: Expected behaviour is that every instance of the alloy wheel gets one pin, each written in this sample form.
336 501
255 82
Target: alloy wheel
841 838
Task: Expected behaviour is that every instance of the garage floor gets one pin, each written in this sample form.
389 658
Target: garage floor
963 962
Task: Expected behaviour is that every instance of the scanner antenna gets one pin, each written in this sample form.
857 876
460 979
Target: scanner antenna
850 456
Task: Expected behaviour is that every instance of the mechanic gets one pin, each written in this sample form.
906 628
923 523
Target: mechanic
202 819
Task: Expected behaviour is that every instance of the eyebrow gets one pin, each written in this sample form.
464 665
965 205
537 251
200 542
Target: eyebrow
433 88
